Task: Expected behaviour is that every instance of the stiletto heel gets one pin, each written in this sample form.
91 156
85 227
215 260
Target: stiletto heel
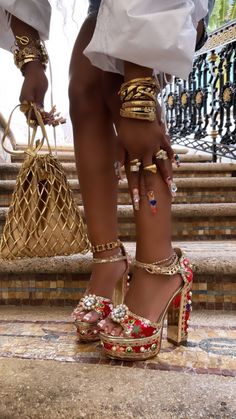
178 317
142 338
87 331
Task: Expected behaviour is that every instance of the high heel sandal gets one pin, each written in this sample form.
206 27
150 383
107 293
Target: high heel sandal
142 338
88 332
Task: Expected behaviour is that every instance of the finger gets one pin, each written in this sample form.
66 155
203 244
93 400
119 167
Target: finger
165 169
149 174
120 161
133 169
166 145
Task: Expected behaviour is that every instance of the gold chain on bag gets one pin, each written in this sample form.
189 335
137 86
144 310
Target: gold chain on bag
43 219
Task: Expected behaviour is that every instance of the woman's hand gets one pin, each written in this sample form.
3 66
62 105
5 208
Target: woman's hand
35 84
142 141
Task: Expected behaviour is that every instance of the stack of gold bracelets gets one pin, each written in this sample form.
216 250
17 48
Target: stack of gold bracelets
139 98
28 50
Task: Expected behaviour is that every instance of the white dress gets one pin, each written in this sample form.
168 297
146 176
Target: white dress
158 34
37 13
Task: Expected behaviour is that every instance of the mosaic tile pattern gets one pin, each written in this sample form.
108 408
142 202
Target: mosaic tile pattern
67 289
184 195
49 334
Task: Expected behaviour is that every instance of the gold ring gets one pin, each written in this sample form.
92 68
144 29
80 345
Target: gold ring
151 168
135 165
161 155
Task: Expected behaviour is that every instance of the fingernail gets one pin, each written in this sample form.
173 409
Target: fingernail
118 172
172 186
177 160
136 198
152 202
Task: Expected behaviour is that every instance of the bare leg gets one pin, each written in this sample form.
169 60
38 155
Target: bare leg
148 294
94 142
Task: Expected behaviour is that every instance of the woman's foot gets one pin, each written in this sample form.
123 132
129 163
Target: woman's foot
147 297
110 268
102 283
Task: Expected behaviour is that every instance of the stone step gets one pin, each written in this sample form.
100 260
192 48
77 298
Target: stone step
68 157
70 149
63 280
190 221
9 171
190 190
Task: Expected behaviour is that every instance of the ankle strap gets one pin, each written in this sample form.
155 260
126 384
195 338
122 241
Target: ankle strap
110 259
109 246
106 246
173 266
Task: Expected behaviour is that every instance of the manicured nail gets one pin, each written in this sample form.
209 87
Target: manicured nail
172 186
136 198
152 201
177 160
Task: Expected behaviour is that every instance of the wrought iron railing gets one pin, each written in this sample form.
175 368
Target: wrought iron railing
201 111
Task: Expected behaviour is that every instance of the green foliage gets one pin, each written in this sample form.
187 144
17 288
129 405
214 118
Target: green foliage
224 11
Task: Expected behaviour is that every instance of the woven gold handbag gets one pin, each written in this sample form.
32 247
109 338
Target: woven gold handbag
43 220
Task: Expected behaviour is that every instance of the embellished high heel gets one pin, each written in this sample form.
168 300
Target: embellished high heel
142 338
88 332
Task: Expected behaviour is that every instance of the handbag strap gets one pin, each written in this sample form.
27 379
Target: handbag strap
33 146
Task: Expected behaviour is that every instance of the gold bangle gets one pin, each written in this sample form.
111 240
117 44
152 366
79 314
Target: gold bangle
29 50
144 109
151 117
141 103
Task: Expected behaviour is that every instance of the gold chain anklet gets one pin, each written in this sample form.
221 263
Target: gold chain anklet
172 268
106 246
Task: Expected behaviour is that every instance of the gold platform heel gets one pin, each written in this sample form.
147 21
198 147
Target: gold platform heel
89 332
142 338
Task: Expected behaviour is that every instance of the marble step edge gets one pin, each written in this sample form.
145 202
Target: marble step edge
213 258
69 157
184 167
178 210
187 183
70 149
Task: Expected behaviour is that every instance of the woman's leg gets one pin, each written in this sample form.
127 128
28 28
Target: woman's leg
94 143
148 294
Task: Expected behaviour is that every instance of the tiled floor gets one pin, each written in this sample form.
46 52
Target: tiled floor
48 334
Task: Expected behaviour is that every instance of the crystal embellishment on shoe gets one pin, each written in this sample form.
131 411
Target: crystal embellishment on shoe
119 313
89 302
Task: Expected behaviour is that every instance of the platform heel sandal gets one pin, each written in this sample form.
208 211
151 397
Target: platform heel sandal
89 332
142 338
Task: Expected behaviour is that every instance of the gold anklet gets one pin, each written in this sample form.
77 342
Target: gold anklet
172 268
106 246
